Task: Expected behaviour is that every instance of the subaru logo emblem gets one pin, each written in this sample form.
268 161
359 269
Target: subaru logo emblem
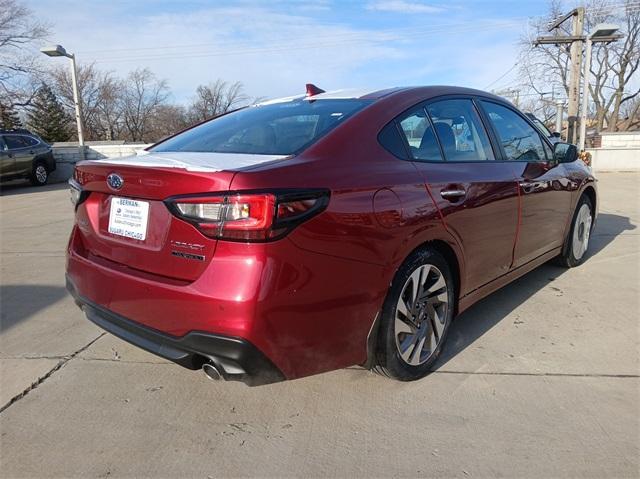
115 181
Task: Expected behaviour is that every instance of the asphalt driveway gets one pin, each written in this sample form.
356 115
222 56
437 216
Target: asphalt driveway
541 379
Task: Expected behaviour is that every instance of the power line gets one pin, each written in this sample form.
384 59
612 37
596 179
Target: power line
198 50
501 76
453 27
276 48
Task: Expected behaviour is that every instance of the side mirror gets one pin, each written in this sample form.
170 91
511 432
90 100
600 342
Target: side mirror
556 134
564 153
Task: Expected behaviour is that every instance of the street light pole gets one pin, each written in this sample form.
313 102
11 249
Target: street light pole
76 100
603 33
59 51
559 108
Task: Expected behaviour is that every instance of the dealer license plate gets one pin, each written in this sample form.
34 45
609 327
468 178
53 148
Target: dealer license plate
128 218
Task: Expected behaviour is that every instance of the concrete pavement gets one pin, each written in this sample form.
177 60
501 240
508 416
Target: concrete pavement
541 379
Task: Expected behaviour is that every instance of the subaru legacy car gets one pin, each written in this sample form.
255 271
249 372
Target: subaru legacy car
324 230
25 155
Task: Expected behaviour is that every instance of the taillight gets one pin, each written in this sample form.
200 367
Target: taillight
249 216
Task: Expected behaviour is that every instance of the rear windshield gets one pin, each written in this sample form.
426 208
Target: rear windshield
271 129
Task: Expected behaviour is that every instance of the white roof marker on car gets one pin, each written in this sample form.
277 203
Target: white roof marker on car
190 161
344 94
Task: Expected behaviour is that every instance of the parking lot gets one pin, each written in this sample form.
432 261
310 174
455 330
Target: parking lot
541 379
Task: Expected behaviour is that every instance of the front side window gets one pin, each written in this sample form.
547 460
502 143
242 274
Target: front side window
3 147
520 141
30 141
460 131
270 129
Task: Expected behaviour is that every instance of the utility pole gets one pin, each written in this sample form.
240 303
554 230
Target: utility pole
512 93
604 33
575 40
574 78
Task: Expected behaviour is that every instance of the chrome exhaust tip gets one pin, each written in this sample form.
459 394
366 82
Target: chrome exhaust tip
212 372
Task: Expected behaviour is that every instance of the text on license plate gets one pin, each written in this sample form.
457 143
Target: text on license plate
128 218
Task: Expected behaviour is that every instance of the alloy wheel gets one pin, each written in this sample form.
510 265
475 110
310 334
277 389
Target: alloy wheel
41 174
420 314
581 231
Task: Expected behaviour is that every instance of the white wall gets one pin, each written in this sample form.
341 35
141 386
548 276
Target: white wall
621 140
67 154
615 159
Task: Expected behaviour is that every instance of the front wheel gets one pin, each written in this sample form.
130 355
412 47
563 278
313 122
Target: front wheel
416 317
39 175
577 242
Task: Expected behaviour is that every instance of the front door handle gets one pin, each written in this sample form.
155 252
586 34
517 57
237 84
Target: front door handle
453 194
530 186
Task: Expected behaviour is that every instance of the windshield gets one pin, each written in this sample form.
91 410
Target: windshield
270 129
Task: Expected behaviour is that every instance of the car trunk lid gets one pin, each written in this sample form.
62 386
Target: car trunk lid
124 220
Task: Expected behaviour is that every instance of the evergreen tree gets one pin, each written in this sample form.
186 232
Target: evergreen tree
47 117
9 119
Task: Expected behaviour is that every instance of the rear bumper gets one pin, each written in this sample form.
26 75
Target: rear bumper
235 358
306 312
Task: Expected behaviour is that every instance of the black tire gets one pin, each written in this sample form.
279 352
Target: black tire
39 174
570 257
389 359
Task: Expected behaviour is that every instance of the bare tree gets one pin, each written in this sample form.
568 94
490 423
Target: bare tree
109 118
215 99
18 30
544 70
630 115
95 90
166 120
622 60
142 97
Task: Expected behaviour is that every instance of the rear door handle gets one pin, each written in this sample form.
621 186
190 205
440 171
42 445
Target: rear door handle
453 194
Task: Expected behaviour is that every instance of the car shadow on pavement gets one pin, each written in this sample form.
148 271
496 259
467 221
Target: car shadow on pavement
485 314
20 302
19 187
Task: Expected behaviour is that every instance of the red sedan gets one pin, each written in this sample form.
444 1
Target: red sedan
316 232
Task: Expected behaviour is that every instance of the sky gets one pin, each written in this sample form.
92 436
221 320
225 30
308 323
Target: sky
275 47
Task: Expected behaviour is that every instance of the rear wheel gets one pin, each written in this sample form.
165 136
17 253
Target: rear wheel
39 175
415 317
577 242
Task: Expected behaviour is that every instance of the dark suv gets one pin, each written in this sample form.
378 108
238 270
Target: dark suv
25 155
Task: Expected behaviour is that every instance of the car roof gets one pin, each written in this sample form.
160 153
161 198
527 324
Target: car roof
16 131
372 94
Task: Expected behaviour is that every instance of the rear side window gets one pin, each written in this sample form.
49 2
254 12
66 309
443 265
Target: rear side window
420 136
2 145
520 141
390 139
16 141
460 131
270 129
